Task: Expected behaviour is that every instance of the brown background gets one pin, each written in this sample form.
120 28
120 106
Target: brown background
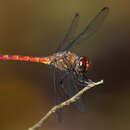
35 28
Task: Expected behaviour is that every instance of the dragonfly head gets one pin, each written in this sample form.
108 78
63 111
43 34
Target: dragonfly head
84 64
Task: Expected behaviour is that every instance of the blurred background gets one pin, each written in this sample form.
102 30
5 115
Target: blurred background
36 28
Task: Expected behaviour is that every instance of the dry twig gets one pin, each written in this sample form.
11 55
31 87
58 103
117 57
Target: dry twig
61 105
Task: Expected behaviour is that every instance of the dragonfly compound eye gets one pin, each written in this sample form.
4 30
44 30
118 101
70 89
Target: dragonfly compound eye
84 64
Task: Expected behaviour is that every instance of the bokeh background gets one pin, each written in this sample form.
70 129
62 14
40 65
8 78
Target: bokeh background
35 28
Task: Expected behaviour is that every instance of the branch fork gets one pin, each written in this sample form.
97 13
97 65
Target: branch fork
65 103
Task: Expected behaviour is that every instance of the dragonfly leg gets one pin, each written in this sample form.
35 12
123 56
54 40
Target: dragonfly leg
86 82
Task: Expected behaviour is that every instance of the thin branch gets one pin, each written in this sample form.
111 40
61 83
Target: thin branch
61 105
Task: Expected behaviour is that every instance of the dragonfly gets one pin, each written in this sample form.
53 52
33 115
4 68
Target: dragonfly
68 71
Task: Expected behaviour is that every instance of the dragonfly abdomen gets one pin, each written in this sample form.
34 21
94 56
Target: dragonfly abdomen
35 59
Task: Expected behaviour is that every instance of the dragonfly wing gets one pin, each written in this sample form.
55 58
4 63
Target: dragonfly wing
70 89
56 94
70 34
91 28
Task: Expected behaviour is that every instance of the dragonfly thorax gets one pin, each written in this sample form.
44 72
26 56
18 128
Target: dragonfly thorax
64 60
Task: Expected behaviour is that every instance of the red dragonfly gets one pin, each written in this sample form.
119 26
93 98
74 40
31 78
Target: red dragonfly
71 68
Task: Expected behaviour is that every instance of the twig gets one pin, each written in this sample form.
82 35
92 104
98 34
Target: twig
61 105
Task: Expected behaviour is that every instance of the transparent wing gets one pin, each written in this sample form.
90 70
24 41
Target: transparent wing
70 34
70 89
56 93
91 28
